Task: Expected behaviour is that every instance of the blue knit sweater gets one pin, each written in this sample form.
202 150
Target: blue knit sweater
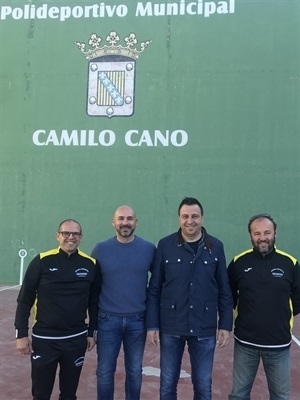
124 269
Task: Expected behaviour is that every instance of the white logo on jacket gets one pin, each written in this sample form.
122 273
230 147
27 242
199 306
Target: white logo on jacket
81 272
277 272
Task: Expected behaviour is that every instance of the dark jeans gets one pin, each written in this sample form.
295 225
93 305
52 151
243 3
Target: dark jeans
201 352
112 332
48 354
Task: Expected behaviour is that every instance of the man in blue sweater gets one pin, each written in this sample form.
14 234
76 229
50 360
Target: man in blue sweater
125 261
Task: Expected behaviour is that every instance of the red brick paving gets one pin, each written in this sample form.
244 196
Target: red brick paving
15 369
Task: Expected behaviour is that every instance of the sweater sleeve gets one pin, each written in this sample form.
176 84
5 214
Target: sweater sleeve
26 297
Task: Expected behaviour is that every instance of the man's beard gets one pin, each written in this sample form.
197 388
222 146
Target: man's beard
126 234
266 250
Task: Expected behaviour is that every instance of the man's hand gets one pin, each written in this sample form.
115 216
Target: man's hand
24 345
153 337
222 338
90 343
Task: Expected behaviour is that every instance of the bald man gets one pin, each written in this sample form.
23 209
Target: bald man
125 261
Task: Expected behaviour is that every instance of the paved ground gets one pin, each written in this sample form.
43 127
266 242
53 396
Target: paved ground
15 368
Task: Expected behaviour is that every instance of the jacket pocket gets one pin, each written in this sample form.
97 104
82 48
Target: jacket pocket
167 313
173 267
210 264
210 314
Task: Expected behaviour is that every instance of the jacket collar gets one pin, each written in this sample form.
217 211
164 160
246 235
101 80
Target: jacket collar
265 256
66 255
205 238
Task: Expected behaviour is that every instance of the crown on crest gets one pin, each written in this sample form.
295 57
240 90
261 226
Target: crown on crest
112 47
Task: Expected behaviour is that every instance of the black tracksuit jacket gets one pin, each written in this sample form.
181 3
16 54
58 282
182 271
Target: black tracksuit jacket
63 290
266 294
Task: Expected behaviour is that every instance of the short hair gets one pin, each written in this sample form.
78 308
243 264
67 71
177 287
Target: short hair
190 201
69 220
258 216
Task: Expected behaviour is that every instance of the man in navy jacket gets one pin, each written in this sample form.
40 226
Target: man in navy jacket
189 301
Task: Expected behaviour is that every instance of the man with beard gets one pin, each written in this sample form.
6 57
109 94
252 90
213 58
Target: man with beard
265 284
125 261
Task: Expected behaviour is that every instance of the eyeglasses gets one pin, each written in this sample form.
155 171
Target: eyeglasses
67 234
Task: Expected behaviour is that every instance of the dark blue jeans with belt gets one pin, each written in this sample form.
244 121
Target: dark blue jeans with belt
113 331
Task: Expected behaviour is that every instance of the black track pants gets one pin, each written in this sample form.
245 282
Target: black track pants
47 355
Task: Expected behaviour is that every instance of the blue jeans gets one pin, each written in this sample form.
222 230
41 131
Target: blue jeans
112 332
245 364
201 351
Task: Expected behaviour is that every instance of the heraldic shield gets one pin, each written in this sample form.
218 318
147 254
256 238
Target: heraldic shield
111 81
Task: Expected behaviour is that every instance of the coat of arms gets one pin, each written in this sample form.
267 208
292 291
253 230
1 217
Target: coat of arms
111 74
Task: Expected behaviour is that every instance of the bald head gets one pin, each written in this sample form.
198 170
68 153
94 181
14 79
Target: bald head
124 222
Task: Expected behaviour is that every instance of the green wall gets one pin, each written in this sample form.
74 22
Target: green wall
223 83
